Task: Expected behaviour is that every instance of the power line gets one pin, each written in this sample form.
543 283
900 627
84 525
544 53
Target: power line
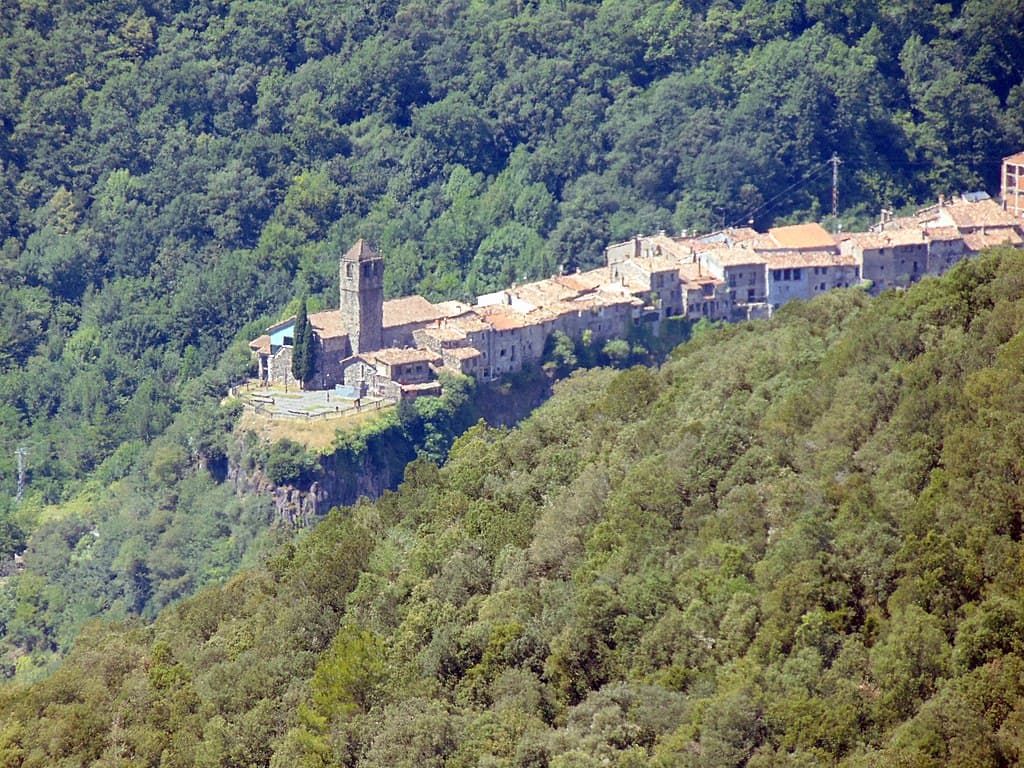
806 177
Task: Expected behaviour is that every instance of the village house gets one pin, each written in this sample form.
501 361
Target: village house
396 349
803 275
743 271
393 374
1012 185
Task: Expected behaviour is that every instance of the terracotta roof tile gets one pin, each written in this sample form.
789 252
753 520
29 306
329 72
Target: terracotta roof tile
462 353
260 344
361 251
502 319
583 281
422 387
983 213
328 325
1016 159
802 236
408 310
445 333
979 241
396 356
695 273
452 308
470 322
809 259
735 257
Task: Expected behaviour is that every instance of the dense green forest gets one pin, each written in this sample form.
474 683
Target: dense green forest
797 543
174 174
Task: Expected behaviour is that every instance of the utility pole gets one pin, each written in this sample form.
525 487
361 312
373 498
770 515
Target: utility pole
835 161
21 453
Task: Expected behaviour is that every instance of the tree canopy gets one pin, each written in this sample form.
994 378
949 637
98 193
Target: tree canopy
174 173
796 543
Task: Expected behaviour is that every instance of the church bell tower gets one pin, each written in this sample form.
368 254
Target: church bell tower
362 297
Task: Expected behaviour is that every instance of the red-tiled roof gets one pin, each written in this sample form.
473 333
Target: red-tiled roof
978 241
470 322
734 257
1016 159
328 324
695 273
451 308
802 237
408 310
579 282
983 213
361 251
462 353
502 320
445 333
395 356
261 345
809 259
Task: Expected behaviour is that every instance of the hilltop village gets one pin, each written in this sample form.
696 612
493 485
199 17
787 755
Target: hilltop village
395 349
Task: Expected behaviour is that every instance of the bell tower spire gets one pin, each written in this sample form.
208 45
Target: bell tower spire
362 297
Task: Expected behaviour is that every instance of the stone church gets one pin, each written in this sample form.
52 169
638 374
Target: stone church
365 346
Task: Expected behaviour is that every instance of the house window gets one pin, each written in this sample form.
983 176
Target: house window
796 274
750 294
786 274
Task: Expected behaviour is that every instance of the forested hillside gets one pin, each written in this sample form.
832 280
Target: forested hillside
173 170
798 543
173 174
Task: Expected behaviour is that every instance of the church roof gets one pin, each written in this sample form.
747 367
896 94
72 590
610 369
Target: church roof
408 310
328 324
361 251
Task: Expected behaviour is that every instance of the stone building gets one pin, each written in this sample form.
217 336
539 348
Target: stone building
743 271
392 373
362 297
396 348
1012 185
792 275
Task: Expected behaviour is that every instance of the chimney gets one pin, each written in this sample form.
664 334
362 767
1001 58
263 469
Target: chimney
942 200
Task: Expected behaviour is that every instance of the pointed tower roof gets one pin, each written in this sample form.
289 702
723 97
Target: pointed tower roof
361 251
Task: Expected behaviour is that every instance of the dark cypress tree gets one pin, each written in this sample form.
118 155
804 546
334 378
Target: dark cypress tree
300 348
308 363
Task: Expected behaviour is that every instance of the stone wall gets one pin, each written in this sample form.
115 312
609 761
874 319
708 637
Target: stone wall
280 367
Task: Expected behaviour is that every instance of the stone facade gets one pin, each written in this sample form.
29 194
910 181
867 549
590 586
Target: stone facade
361 285
395 349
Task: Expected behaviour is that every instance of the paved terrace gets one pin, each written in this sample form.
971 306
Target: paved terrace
273 402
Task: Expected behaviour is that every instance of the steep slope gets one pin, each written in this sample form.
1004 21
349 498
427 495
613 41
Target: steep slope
174 172
798 543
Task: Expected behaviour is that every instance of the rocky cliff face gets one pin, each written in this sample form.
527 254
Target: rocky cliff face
339 482
341 478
